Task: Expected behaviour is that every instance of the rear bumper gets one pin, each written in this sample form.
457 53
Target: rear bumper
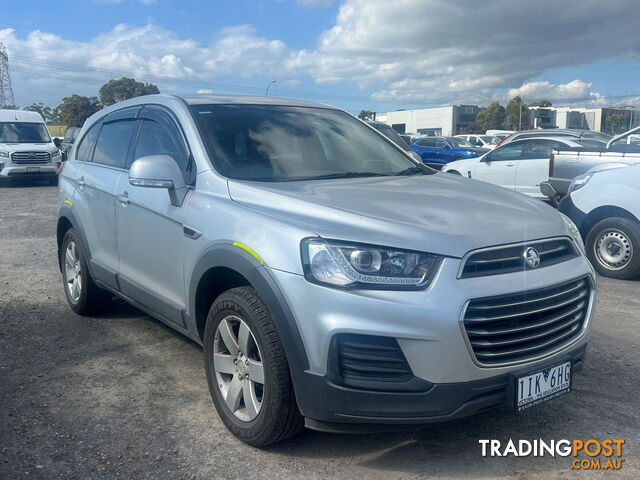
351 410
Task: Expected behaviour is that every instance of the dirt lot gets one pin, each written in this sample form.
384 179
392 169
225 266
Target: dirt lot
122 396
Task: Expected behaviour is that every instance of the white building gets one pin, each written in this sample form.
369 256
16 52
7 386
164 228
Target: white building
446 121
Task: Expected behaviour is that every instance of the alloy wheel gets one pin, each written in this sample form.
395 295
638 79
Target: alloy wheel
238 367
73 272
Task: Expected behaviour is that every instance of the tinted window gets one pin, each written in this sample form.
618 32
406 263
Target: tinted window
23 132
113 143
85 148
71 134
282 143
459 142
154 139
426 142
442 144
535 149
508 152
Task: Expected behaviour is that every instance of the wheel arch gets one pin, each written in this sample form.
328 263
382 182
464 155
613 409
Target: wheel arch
225 266
66 221
601 213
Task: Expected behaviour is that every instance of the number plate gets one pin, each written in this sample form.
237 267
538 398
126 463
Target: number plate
33 169
541 386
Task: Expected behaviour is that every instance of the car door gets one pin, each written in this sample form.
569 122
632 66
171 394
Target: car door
533 167
443 150
151 237
499 166
425 147
102 157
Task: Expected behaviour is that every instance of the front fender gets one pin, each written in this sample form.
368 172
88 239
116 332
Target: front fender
239 260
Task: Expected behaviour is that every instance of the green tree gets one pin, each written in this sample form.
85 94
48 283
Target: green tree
45 111
616 123
366 115
117 90
74 110
491 118
517 114
541 103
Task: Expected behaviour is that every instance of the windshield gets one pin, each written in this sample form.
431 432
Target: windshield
459 142
391 134
23 132
490 140
279 143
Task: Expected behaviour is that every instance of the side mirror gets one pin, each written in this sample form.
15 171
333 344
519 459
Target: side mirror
486 158
159 171
57 142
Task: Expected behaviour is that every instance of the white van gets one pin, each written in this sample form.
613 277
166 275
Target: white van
26 148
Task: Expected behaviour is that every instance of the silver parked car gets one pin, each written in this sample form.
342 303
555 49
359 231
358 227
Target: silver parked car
333 281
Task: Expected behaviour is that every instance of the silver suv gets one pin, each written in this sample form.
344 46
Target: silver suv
333 281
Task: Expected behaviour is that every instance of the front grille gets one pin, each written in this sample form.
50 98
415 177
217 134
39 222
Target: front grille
511 258
514 328
30 158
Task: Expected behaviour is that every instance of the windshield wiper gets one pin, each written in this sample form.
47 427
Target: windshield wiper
345 175
416 170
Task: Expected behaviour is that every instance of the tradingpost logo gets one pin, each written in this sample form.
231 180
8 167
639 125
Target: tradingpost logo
587 454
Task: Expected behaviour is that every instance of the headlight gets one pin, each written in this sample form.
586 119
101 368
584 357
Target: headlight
4 154
55 153
573 232
350 265
579 182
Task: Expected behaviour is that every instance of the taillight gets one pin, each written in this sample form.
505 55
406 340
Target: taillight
552 159
60 168
502 141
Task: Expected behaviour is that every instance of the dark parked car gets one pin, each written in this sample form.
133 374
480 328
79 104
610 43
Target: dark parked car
67 142
436 151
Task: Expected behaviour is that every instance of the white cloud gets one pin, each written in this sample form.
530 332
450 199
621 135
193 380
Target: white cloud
406 51
571 92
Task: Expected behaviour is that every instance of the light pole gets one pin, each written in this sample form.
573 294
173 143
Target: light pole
520 121
266 92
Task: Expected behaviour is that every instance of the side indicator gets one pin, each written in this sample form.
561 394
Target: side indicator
69 202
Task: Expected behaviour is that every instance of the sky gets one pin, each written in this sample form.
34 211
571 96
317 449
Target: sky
377 55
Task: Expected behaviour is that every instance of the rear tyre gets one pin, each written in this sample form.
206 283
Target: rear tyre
613 247
247 370
83 295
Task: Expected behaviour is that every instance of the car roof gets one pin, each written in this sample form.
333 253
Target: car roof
248 100
20 116
559 138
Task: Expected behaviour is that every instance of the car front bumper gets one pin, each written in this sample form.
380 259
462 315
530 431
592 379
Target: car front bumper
10 170
427 326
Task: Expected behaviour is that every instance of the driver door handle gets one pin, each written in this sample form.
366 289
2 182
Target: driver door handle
510 164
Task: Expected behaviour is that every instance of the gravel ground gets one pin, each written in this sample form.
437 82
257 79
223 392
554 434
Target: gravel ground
123 396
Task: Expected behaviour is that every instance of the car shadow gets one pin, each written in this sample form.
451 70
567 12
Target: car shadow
25 182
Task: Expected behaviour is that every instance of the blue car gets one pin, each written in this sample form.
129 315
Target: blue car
436 151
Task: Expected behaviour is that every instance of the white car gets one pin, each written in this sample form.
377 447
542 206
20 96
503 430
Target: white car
520 165
605 206
26 148
482 141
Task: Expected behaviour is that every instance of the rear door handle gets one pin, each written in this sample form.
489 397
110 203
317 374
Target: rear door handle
80 183
510 164
124 199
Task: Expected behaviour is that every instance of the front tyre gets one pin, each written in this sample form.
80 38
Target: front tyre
247 370
613 247
83 295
